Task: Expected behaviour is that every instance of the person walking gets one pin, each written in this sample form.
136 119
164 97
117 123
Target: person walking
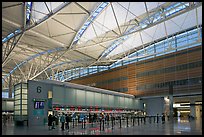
4 119
62 120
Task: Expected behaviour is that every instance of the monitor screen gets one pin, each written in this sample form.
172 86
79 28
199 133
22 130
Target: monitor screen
39 104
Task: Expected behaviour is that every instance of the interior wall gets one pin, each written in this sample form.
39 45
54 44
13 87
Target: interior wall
37 117
154 106
158 71
7 105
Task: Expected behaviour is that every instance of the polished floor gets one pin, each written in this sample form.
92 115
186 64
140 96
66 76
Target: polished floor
178 127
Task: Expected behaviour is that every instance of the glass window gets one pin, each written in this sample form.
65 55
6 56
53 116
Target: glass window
17 102
24 106
24 85
24 96
17 91
17 97
18 107
17 112
17 86
24 91
24 101
5 94
24 112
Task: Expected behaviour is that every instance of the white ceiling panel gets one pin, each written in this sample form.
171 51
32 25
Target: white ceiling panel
43 28
65 38
74 21
121 14
93 51
152 5
72 8
39 10
137 8
89 6
105 18
186 20
53 5
14 13
132 42
7 28
38 41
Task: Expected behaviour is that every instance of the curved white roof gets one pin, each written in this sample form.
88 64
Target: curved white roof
84 33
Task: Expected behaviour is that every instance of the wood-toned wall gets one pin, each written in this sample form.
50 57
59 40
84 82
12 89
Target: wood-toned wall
130 71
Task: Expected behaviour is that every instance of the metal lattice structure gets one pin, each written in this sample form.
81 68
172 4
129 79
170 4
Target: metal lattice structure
61 40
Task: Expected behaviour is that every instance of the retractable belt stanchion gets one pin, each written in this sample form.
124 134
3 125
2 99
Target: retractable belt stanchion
100 124
84 122
150 119
120 122
127 121
73 122
144 119
103 124
112 122
157 119
133 122
92 122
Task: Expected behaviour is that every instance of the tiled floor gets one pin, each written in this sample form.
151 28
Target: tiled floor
178 127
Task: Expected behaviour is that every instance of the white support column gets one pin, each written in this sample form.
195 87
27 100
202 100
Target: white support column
10 86
171 111
192 108
198 112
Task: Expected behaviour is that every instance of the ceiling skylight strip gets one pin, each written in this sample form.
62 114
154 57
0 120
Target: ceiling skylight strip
11 35
28 11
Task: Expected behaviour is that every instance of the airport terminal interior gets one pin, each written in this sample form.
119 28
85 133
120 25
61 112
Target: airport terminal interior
101 68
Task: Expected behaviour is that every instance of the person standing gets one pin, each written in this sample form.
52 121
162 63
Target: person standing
67 121
53 122
107 117
163 118
157 118
62 120
49 121
56 120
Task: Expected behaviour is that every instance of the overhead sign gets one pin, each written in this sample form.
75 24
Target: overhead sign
39 89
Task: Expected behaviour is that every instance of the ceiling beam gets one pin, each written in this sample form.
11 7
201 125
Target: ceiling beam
85 54
46 18
12 5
